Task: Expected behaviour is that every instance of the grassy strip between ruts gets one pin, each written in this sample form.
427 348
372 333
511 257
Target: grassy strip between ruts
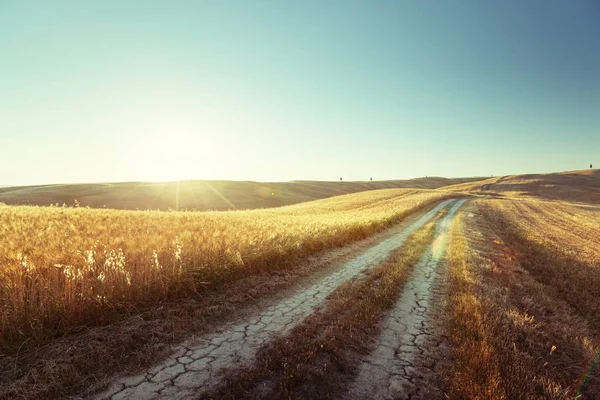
320 356
512 335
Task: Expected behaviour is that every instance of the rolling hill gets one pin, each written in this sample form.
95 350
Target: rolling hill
202 195
577 186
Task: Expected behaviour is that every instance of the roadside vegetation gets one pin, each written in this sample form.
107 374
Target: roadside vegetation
67 268
524 301
321 356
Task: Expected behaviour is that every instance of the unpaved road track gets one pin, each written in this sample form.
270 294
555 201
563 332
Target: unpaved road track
195 367
404 361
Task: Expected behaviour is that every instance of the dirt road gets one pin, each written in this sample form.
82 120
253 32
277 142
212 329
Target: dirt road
408 347
196 366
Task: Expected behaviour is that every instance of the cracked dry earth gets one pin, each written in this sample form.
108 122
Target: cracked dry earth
196 366
405 363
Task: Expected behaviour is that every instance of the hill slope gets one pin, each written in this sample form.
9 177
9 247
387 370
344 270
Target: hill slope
202 195
577 186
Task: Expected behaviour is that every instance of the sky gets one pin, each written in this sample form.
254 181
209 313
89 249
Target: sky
102 91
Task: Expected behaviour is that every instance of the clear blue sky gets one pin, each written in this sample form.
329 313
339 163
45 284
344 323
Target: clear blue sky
282 90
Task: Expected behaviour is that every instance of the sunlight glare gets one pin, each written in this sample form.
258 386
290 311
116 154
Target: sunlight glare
175 147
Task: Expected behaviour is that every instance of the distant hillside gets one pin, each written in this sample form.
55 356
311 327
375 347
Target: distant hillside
577 186
202 195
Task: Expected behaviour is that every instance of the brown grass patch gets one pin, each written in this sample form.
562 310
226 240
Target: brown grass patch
517 330
476 372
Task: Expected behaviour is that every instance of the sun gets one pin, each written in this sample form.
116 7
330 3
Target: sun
174 154
171 158
180 143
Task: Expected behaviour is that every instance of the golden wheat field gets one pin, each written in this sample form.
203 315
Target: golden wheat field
520 312
64 267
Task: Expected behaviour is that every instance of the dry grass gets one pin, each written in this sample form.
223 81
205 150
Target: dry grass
64 268
476 372
137 341
524 301
559 245
320 357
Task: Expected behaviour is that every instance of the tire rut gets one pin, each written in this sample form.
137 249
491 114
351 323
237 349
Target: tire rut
407 353
195 366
